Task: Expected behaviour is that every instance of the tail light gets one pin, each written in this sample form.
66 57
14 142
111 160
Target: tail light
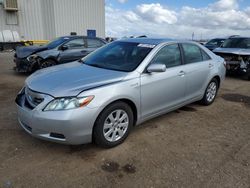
225 64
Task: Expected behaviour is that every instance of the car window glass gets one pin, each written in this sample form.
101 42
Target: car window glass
169 55
94 43
205 56
192 53
121 56
237 43
75 43
216 42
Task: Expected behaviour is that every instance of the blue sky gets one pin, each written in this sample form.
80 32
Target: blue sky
170 3
178 18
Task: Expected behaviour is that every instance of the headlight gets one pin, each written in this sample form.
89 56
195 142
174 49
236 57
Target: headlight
68 103
32 57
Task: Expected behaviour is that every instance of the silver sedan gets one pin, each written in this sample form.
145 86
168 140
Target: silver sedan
101 97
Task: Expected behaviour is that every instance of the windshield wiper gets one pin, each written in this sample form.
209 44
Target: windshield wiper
95 65
80 61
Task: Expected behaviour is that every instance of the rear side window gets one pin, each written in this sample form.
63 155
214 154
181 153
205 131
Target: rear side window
169 55
205 56
75 43
94 43
192 53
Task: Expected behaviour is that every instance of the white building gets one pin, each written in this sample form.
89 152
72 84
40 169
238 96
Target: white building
47 19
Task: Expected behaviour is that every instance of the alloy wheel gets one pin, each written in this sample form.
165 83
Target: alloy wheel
211 91
115 125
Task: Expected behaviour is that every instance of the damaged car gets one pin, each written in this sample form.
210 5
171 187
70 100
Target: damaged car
236 52
61 50
214 43
102 97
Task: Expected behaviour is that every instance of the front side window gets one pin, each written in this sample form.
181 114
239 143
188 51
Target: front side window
169 55
192 53
120 56
75 43
57 42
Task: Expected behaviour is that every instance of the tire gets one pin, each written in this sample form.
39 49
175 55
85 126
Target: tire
116 130
210 93
47 63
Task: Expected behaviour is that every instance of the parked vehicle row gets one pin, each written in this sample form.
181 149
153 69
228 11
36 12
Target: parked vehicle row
236 52
122 84
214 43
61 50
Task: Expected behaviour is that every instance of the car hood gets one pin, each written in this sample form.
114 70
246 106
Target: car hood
237 51
23 52
71 79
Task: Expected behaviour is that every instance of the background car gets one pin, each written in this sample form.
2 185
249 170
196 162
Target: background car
236 52
61 50
214 43
116 87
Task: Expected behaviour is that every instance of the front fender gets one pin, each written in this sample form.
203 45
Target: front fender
129 90
49 54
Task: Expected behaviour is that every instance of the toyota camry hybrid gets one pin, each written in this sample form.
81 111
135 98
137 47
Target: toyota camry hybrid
101 97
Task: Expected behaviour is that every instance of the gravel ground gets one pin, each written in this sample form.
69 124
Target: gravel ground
195 146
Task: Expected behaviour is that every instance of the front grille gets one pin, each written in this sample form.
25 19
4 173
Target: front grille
32 98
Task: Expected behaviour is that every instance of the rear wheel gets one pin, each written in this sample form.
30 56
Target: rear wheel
47 63
113 125
211 92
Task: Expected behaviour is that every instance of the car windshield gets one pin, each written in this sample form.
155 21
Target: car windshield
216 42
56 42
120 56
237 43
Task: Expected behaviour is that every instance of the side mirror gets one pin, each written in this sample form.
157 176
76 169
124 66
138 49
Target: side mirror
64 47
156 68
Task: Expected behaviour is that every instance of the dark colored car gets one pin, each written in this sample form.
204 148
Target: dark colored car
214 43
61 50
236 52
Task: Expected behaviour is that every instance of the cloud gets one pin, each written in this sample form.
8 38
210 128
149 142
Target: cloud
222 18
156 13
225 5
210 19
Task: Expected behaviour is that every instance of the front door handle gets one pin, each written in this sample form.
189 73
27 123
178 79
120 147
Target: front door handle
181 73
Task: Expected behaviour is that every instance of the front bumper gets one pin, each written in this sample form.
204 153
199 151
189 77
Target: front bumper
67 127
23 65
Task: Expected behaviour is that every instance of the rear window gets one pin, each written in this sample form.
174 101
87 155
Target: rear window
237 43
94 43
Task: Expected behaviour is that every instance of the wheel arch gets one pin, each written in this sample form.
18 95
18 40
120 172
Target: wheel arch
125 100
51 58
131 104
218 80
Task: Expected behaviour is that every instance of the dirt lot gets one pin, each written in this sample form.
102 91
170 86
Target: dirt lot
195 146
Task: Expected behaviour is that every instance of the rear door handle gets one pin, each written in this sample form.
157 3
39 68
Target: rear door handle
181 73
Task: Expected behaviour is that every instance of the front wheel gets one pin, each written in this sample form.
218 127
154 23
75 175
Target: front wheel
113 125
47 63
210 93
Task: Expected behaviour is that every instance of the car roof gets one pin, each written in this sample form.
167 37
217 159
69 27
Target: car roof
219 39
78 36
153 41
239 37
